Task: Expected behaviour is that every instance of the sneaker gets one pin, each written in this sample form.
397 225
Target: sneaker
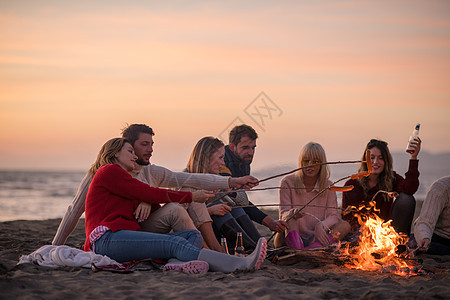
190 267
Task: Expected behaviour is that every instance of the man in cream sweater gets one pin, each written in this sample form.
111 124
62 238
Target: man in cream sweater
169 217
432 227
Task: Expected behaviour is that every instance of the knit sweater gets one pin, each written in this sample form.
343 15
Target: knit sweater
435 214
155 176
114 195
357 197
290 198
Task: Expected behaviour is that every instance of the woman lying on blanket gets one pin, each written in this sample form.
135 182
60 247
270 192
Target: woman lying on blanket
112 229
314 225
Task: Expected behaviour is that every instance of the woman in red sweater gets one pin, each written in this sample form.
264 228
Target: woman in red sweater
384 179
112 229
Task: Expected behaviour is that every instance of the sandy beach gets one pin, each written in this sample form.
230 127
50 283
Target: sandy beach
304 279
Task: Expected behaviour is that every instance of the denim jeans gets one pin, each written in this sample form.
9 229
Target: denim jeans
220 220
127 245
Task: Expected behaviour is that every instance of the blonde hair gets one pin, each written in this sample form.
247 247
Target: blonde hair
312 151
107 154
201 155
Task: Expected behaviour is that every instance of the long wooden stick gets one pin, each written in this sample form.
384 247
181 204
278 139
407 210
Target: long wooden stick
269 188
278 204
313 165
300 168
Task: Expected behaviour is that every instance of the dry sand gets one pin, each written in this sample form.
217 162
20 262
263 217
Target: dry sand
303 280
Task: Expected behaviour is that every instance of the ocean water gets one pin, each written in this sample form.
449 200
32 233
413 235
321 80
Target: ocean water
33 195
36 195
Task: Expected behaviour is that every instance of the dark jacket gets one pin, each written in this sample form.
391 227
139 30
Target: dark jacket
357 197
235 167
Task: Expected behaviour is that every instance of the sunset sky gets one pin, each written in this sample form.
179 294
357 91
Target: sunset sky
73 73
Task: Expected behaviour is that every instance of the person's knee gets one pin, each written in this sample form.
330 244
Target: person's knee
199 215
279 240
402 213
176 217
238 212
196 238
173 207
343 228
175 210
405 200
404 205
218 221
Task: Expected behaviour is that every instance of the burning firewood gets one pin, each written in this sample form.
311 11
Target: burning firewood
322 256
380 247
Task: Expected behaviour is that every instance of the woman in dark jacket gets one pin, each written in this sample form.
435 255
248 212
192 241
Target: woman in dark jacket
381 180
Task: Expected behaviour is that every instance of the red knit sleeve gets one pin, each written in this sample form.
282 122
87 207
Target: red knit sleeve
410 183
115 179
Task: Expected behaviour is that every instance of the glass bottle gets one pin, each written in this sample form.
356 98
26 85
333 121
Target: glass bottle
223 243
413 136
239 250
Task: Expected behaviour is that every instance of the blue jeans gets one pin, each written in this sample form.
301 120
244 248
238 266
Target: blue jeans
220 220
127 245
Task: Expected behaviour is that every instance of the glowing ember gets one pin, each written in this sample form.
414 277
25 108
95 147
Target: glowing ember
378 247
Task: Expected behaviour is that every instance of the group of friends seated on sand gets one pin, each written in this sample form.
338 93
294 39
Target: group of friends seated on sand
122 196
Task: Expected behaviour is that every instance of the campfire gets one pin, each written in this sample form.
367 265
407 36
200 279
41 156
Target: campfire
379 248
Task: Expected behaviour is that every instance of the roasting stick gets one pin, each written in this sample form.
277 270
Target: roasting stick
264 189
333 188
277 204
312 165
389 194
304 167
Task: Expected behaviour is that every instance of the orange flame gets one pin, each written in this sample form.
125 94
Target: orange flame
377 248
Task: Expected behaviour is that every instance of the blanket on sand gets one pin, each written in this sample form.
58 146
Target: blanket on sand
65 256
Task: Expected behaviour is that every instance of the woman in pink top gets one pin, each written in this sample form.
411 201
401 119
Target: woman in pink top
314 225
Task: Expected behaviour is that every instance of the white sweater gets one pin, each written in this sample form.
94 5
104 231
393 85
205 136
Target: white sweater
435 214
